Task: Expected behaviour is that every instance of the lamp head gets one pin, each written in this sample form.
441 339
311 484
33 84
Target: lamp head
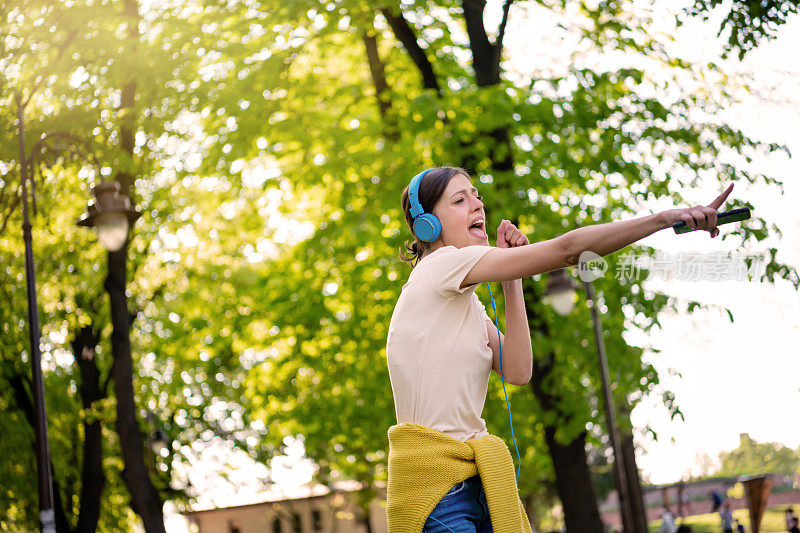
560 291
111 213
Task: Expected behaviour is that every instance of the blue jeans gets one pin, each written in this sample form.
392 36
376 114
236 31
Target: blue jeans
463 510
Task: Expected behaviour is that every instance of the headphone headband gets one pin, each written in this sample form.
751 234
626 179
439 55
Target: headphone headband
413 194
425 226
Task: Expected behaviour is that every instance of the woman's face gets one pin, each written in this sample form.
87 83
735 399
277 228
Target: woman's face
458 209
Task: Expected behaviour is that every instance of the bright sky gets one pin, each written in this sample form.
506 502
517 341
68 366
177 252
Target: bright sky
729 378
734 378
742 377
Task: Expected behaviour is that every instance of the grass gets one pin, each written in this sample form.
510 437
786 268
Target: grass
772 521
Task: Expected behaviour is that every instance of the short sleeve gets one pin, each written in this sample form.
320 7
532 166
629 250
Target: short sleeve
450 265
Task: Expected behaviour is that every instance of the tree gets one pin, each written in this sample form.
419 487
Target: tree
746 23
59 59
587 145
752 457
326 110
33 66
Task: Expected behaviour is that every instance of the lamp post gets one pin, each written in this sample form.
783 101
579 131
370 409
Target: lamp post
103 213
560 291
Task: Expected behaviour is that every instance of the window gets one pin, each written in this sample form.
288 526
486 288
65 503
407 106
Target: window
316 519
234 527
297 523
276 526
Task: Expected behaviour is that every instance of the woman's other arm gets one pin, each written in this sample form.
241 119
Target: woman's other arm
517 356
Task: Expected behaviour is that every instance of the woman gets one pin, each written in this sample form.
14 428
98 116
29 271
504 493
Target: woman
446 472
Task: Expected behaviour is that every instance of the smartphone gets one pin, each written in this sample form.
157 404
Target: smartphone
734 215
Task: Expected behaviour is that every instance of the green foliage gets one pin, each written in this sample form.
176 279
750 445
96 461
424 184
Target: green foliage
747 23
57 59
253 117
68 299
589 146
752 458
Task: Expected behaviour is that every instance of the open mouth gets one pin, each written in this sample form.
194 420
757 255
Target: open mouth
478 229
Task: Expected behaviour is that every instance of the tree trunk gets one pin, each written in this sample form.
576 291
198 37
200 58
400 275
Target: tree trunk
92 477
145 499
573 478
377 71
485 55
529 512
62 520
633 482
403 32
23 401
574 483
382 93
486 65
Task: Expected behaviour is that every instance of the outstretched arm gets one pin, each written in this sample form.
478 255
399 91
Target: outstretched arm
506 264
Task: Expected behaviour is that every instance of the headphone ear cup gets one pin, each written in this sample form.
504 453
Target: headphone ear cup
427 227
437 226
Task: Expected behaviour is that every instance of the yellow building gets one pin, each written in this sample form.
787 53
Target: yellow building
309 510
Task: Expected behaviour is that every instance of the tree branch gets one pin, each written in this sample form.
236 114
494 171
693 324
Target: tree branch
486 64
377 72
498 44
485 61
404 34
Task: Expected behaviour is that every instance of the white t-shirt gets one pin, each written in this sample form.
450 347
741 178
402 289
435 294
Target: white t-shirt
438 348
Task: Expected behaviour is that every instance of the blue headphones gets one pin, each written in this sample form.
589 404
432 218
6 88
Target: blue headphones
425 225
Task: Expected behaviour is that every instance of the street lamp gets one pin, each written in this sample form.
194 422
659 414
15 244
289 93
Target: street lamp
560 291
106 220
111 214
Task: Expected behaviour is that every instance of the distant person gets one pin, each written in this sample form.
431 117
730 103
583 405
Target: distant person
667 521
739 527
795 525
717 501
789 518
726 516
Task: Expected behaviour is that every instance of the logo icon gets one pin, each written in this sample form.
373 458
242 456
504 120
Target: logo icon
591 266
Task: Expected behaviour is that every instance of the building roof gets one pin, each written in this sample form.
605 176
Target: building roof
275 494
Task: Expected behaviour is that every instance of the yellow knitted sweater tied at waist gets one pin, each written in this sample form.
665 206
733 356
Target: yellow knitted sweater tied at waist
424 464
